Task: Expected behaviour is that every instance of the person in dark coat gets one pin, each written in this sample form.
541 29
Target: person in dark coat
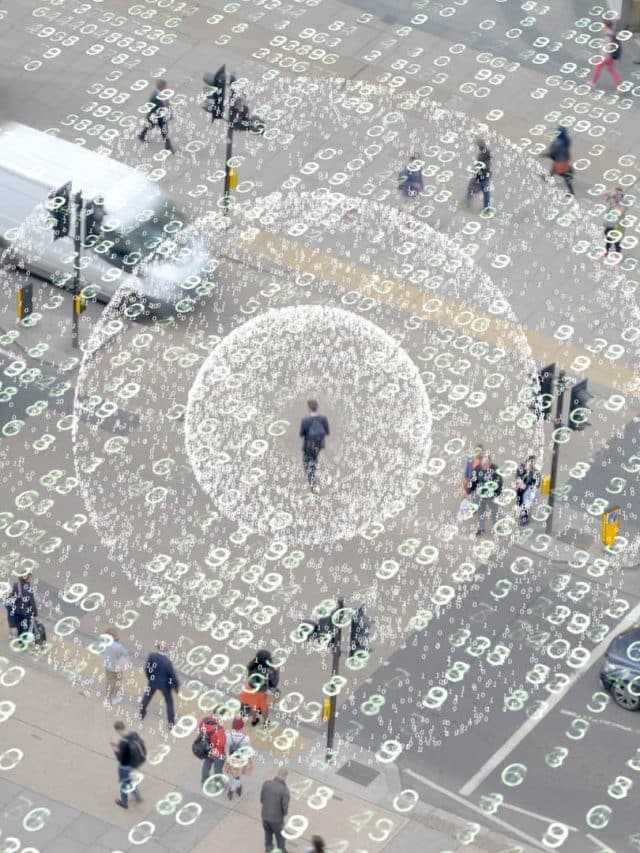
486 485
274 798
22 609
158 115
481 178
160 676
411 182
559 152
314 429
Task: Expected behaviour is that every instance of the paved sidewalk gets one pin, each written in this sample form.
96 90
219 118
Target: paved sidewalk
74 734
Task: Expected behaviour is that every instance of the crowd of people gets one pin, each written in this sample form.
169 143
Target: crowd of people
482 484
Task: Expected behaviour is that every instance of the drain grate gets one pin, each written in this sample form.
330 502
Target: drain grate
356 772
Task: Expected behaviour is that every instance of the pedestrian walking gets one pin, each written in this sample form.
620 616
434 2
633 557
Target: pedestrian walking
262 677
410 179
613 220
486 485
612 51
317 845
527 483
131 753
481 177
213 733
274 798
22 609
314 429
238 757
559 153
159 115
471 465
116 660
160 676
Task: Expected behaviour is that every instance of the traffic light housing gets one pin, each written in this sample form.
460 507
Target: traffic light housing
218 82
94 216
60 209
360 627
25 300
79 304
543 399
579 409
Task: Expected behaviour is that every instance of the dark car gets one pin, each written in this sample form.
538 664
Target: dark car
620 673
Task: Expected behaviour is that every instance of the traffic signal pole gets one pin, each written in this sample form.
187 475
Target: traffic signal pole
555 451
229 154
77 245
335 670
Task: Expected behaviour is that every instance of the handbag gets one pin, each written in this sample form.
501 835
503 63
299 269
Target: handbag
39 633
466 510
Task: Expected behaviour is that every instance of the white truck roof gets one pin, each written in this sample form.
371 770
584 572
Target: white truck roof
51 162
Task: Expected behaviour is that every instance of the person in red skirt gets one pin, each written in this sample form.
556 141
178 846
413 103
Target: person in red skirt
262 677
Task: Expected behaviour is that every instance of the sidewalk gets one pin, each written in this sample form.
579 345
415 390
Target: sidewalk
74 734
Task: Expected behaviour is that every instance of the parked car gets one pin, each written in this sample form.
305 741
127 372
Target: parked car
620 673
144 242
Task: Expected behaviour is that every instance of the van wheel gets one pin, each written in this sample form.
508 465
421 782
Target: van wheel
623 697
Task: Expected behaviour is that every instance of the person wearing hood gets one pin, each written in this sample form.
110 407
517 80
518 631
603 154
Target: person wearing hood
559 152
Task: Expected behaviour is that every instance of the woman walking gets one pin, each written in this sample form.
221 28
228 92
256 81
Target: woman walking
559 152
262 677
612 52
527 482
238 757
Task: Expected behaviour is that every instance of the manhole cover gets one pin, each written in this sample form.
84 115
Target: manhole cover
574 537
356 772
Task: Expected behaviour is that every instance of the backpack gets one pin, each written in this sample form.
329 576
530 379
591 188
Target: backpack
137 750
316 433
617 53
237 743
200 747
39 633
274 678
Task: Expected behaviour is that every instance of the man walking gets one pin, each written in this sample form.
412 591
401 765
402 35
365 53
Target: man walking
159 114
486 484
411 182
481 177
115 661
131 753
160 676
314 429
274 797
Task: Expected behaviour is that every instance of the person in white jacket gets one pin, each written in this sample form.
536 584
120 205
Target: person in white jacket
237 740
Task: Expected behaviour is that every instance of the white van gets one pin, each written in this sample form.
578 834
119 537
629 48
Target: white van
145 242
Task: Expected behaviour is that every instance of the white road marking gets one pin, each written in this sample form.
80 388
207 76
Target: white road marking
536 815
568 713
602 846
534 842
527 727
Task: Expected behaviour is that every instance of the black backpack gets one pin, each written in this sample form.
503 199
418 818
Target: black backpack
200 747
137 750
617 53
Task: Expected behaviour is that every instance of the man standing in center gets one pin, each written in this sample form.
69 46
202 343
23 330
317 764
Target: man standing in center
274 797
313 430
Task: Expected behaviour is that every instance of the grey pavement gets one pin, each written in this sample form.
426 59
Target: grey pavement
542 272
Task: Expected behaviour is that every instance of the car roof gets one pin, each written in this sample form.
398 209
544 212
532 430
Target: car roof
51 162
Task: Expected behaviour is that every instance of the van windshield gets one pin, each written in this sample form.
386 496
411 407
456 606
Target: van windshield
126 246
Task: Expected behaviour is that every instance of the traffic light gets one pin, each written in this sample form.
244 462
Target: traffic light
218 82
93 218
79 304
360 626
579 409
544 394
60 206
